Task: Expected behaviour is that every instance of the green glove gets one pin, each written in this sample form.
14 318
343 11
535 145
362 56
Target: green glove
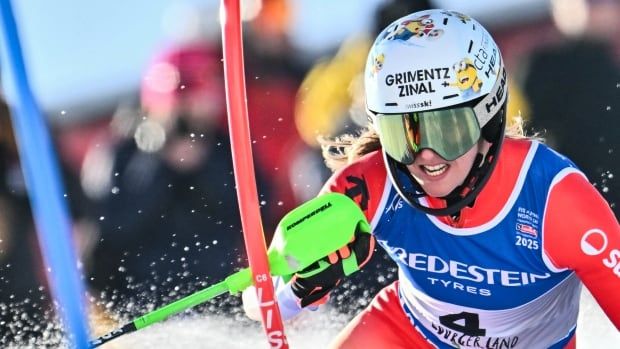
313 284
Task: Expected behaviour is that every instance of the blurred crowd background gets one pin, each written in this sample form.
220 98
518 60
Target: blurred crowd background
148 172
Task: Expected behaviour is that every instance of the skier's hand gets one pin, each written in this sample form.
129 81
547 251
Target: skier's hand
313 284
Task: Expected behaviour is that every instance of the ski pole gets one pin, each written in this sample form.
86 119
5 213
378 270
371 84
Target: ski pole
303 236
237 282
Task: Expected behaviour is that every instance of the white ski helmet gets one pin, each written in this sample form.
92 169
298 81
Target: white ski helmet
435 79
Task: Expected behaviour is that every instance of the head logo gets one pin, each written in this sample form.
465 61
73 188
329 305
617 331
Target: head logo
594 242
499 96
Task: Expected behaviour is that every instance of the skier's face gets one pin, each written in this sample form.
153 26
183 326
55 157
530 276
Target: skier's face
439 177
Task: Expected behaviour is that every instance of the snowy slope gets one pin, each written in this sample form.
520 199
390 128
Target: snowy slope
314 330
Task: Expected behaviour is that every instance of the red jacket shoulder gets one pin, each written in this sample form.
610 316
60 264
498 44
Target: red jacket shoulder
363 180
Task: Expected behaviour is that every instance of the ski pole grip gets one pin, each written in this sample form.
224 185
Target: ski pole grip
239 281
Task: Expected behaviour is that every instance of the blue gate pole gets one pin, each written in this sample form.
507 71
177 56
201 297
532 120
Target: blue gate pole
45 189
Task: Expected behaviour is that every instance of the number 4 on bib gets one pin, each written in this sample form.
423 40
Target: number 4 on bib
470 324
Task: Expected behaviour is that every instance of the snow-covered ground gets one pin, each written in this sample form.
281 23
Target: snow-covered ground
594 330
314 330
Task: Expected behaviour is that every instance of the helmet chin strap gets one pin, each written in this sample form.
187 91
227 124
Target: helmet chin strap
458 196
455 200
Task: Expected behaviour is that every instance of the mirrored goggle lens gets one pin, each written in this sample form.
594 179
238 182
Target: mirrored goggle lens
449 132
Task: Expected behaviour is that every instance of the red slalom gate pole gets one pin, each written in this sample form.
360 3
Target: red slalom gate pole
247 194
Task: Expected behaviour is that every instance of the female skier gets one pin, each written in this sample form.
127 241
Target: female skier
493 233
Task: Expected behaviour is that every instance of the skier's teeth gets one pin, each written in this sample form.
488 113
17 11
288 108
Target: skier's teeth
435 170
434 167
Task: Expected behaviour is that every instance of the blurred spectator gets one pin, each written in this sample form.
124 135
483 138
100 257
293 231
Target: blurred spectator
330 101
274 73
164 185
22 280
573 90
27 316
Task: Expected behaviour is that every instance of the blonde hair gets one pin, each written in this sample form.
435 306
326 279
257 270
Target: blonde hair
341 150
345 149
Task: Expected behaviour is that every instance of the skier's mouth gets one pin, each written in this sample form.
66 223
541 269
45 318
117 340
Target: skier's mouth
434 170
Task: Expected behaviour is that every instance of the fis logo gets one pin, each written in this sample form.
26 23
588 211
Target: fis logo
396 204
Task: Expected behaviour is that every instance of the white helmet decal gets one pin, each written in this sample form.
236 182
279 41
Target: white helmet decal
401 77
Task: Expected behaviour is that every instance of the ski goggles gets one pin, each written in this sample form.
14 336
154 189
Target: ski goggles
448 132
